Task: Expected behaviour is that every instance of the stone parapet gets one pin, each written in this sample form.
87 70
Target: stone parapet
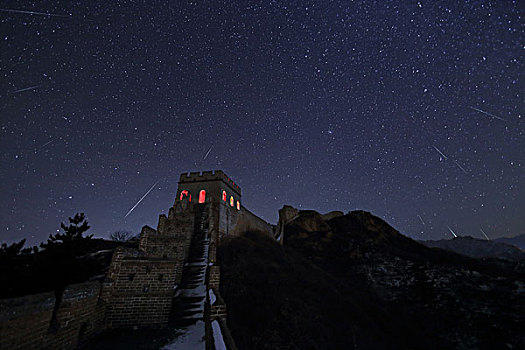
45 321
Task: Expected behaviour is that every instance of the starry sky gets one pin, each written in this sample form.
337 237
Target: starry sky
411 110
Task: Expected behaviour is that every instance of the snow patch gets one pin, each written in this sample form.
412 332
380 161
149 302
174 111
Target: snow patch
192 338
199 291
211 296
217 336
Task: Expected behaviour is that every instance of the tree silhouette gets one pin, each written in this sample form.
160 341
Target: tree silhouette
120 236
72 240
62 253
67 257
12 249
15 249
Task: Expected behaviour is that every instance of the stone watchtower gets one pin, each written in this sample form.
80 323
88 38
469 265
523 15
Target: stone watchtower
215 194
139 286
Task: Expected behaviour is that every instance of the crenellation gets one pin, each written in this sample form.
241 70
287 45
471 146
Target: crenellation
209 176
162 223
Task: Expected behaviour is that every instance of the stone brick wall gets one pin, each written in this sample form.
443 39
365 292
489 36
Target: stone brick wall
27 322
246 220
218 309
139 289
228 218
171 241
140 283
213 230
214 277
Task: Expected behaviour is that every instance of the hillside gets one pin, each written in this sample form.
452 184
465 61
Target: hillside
518 241
479 248
355 282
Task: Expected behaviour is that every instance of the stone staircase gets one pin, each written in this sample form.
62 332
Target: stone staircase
188 308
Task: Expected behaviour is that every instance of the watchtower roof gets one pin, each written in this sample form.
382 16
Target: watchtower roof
211 175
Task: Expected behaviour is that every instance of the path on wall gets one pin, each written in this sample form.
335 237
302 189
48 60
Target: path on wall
189 303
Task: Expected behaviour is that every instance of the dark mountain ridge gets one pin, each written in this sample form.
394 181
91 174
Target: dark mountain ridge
479 248
518 241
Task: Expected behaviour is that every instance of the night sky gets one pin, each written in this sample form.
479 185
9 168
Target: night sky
411 110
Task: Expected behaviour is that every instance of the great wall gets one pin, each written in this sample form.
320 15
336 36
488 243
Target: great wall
174 270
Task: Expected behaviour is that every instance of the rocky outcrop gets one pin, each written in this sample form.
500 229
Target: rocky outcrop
286 214
304 221
332 214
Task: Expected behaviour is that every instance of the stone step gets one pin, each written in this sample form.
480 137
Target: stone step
188 306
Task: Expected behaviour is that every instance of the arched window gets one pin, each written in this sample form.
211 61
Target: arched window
202 196
224 196
238 205
231 201
185 193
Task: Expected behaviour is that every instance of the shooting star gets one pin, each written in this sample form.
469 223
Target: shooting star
455 236
33 13
487 113
445 157
26 89
44 145
440 153
207 153
484 234
140 200
459 166
420 218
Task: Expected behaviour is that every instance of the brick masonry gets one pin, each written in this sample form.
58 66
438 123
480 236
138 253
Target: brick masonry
27 322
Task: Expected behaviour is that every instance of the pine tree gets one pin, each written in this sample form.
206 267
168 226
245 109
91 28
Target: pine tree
72 240
62 253
12 249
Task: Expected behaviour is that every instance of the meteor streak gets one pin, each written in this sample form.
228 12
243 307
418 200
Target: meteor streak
47 143
441 153
33 13
487 113
420 218
484 234
455 236
26 89
207 153
445 157
140 200
459 166
44 145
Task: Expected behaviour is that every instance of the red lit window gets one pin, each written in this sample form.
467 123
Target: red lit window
184 193
202 196
238 205
224 196
231 201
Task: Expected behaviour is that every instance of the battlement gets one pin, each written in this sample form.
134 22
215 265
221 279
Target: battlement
215 175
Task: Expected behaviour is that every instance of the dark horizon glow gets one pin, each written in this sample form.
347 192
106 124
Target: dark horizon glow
410 110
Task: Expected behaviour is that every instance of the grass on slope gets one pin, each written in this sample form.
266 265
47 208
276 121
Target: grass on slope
278 300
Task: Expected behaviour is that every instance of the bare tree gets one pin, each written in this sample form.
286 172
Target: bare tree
121 236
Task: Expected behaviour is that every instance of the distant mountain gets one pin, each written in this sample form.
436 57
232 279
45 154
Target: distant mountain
518 241
479 248
354 282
